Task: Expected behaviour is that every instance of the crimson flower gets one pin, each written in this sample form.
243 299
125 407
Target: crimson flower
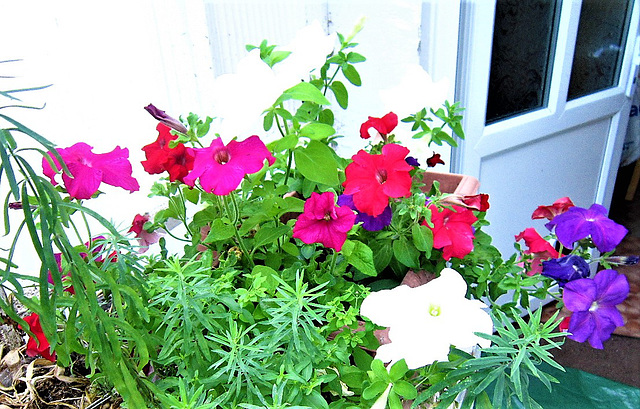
538 247
323 222
434 160
478 202
221 168
177 161
549 212
373 179
145 237
452 231
383 125
40 344
88 170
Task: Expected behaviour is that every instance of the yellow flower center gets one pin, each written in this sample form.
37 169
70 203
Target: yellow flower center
434 310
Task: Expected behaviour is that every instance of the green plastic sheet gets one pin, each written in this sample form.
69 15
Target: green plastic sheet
581 390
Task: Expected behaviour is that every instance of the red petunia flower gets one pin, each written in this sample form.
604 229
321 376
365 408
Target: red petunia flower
221 168
478 202
177 161
373 179
435 160
88 170
538 247
383 125
452 231
145 237
323 222
39 345
549 212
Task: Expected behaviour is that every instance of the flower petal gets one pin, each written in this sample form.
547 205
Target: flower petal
613 288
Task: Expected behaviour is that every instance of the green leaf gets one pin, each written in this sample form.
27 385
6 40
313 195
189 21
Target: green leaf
374 390
353 57
219 231
394 401
483 402
317 163
341 94
360 256
398 370
406 252
422 238
352 75
317 131
379 371
304 92
268 235
405 389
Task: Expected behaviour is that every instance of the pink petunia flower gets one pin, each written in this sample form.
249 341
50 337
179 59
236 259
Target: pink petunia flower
373 179
452 231
323 222
383 125
40 345
145 237
221 168
538 247
88 170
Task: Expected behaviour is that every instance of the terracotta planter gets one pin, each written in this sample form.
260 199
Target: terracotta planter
463 185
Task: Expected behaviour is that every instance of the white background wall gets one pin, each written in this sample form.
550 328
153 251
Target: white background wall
107 60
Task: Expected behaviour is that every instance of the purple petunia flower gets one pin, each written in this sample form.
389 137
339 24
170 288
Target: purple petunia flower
412 161
369 223
593 302
578 223
162 116
565 269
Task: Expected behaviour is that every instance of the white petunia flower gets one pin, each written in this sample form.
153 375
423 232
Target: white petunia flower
309 50
425 321
415 91
241 97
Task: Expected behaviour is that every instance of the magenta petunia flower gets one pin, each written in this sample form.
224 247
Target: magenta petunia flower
323 222
221 168
373 179
89 170
578 223
593 303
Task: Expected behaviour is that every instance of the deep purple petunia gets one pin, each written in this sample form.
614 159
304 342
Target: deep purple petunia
369 223
221 167
162 116
593 302
565 269
88 170
578 223
412 161
323 222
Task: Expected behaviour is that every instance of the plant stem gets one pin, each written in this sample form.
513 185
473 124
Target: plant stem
235 219
333 261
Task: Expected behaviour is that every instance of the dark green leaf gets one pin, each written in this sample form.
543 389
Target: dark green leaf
352 75
406 252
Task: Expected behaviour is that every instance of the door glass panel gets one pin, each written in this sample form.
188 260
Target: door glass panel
524 40
602 32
